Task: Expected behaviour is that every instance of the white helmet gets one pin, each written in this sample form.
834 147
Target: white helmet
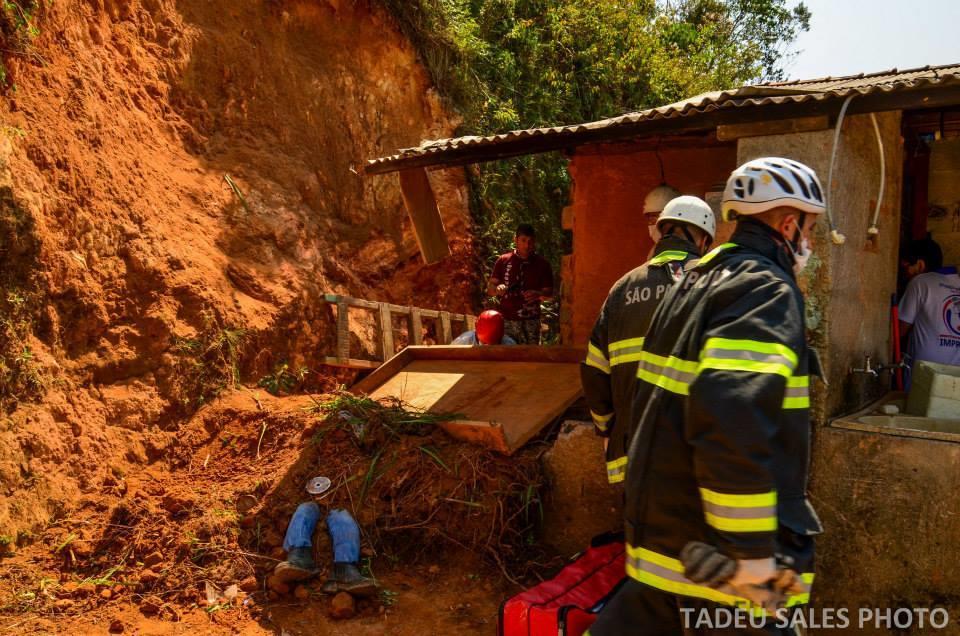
691 210
772 182
658 198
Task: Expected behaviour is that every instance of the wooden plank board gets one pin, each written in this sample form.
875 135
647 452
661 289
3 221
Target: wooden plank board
422 207
351 363
503 403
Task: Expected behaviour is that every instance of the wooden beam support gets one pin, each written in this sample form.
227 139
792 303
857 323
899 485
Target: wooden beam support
732 132
446 331
422 207
416 327
386 331
343 331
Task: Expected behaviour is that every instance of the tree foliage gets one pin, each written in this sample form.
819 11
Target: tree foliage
509 64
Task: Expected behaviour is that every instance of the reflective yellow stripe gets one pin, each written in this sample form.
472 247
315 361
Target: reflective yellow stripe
740 513
617 470
666 573
600 421
709 256
726 524
668 256
670 373
739 501
755 346
798 392
596 359
751 356
626 350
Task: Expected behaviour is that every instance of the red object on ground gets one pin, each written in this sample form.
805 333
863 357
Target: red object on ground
567 604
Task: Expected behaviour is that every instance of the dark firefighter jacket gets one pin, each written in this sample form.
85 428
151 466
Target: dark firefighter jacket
609 372
721 450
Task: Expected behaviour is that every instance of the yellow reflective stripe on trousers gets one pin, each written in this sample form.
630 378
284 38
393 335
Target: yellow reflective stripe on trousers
626 350
671 373
740 513
668 257
709 256
617 470
596 358
666 574
752 356
600 421
797 395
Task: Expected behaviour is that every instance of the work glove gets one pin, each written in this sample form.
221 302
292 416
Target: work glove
760 581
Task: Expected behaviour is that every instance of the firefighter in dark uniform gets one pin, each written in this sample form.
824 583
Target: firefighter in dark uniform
716 508
684 231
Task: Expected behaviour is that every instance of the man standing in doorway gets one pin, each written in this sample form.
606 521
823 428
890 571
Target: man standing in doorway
521 279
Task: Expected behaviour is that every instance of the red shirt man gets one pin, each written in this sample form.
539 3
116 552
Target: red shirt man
521 279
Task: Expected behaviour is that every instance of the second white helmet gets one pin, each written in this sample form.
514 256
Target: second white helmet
690 210
772 182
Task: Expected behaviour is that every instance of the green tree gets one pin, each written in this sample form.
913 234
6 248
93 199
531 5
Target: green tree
509 64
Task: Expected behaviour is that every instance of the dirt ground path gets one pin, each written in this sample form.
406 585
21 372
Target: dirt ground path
140 549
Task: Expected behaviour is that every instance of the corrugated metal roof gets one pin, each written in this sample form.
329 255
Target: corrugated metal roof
444 151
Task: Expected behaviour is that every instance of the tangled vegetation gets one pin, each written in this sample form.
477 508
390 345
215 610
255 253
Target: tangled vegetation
512 64
209 362
18 27
21 376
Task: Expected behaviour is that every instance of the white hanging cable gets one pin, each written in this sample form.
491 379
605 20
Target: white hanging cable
873 230
835 236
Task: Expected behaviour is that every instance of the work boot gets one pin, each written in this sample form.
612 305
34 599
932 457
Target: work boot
347 578
299 566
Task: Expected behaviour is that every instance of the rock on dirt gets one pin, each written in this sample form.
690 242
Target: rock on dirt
148 577
152 559
278 586
116 627
151 605
249 584
301 593
342 606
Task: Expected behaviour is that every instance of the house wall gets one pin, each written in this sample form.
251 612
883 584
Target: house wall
848 287
943 220
609 235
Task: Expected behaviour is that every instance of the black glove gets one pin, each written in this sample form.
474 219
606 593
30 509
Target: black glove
705 564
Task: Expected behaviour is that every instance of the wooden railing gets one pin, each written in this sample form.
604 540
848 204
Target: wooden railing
383 314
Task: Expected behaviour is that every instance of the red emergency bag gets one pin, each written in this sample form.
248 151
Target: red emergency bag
567 604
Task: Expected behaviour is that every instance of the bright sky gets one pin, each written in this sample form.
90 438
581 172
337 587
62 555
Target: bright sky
852 36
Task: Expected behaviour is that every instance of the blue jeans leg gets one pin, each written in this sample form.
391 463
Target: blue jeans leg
301 527
345 534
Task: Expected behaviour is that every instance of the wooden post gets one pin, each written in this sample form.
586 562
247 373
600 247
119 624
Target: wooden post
471 322
386 331
343 330
422 207
416 327
446 333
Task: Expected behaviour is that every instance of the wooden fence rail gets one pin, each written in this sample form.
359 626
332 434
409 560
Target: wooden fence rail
383 314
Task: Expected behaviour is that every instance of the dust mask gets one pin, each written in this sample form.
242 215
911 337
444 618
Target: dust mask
801 256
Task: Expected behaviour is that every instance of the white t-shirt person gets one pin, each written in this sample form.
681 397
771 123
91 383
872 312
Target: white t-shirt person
931 305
